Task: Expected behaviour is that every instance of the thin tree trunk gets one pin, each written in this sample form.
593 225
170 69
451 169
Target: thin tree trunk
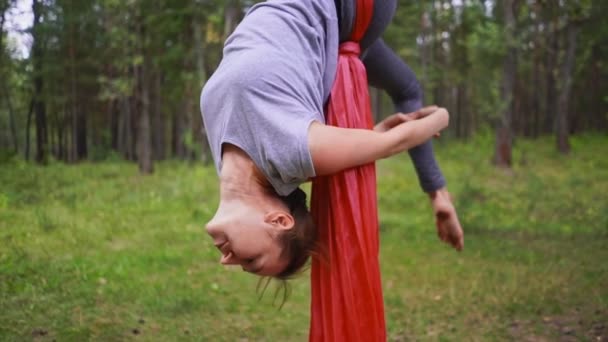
180 127
114 117
80 133
460 108
131 131
41 122
11 118
551 56
144 142
504 131
425 35
125 129
28 128
562 129
61 138
7 95
598 119
186 125
199 45
122 126
537 106
174 133
158 136
231 16
456 107
79 119
54 134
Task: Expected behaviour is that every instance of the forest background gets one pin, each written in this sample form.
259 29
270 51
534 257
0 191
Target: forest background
122 78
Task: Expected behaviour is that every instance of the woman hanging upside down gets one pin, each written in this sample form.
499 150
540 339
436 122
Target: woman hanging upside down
263 110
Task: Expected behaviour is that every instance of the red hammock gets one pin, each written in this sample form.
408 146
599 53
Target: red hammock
347 300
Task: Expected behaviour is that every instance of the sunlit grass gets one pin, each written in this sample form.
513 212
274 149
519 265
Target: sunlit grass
97 252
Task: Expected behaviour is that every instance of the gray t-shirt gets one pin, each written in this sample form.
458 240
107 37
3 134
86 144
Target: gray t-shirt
277 70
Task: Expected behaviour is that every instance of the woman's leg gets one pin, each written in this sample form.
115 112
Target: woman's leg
383 14
385 70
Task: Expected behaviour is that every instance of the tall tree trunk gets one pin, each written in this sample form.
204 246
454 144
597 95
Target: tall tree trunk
232 12
426 41
60 138
28 126
131 129
5 90
54 137
537 107
80 134
79 117
180 127
551 57
40 109
144 139
461 101
199 45
599 119
125 129
563 145
185 139
122 126
114 117
11 118
158 127
504 131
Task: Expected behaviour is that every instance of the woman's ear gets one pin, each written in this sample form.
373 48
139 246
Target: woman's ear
280 219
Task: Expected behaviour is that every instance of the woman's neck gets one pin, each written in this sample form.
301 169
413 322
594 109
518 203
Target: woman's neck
240 177
243 186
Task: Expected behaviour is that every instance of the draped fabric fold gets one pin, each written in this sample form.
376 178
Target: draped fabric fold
346 303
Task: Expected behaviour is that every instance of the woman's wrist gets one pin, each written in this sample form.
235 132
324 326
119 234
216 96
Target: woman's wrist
441 193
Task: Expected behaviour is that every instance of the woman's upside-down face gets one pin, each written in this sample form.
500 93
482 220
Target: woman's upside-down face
247 238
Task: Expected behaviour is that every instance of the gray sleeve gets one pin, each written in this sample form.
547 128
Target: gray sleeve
385 70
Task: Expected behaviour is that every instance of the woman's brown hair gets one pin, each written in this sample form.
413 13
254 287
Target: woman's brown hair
299 242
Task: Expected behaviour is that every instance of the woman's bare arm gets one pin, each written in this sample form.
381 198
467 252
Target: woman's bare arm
334 149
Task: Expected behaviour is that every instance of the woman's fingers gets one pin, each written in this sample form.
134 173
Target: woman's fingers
425 111
399 118
395 119
419 114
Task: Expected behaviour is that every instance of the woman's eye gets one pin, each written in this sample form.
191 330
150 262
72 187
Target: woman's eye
249 261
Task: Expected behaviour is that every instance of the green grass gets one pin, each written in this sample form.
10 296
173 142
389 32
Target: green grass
97 252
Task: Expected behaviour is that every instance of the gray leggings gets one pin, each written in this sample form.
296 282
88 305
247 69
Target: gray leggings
385 70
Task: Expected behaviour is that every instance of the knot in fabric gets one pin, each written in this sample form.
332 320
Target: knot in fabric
350 48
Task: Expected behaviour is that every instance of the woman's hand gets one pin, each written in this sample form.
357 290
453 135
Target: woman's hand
446 219
399 118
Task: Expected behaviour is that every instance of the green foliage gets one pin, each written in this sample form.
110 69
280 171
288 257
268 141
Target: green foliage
485 42
97 252
95 51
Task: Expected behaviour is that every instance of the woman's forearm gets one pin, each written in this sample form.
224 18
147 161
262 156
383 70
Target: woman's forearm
334 148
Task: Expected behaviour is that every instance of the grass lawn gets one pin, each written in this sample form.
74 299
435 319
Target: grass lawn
97 252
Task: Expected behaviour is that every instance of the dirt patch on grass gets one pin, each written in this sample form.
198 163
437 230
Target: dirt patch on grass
574 326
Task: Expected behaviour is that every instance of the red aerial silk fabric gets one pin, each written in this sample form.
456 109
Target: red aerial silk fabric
346 302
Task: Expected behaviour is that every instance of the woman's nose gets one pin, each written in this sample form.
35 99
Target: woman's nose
211 229
229 259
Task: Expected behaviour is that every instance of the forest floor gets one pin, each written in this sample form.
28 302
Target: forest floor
97 252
